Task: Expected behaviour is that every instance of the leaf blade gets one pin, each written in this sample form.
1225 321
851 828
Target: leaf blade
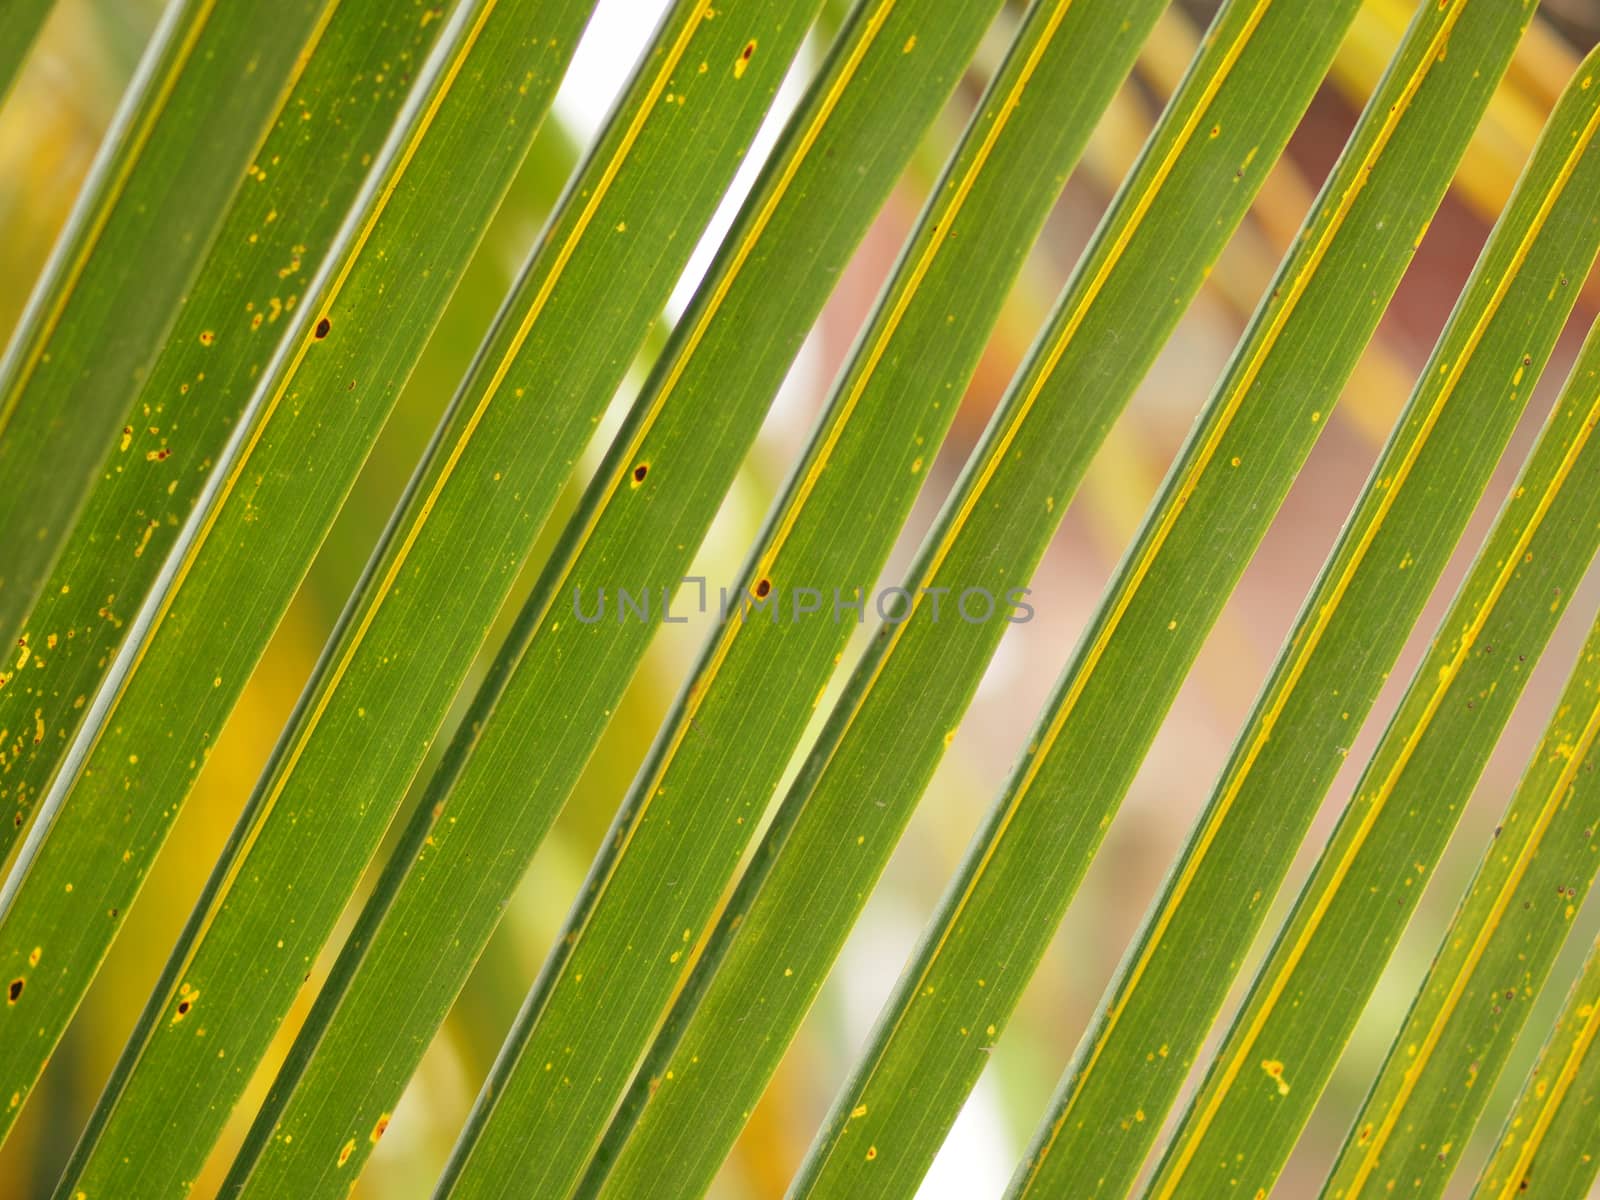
1020 870
275 232
212 610
792 910
592 289
755 680
1555 1159
708 351
1543 845
1406 806
178 144
1350 630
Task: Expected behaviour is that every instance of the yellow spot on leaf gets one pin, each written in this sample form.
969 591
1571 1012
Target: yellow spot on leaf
1274 1069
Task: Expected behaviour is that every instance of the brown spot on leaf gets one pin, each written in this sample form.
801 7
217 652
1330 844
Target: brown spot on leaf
187 995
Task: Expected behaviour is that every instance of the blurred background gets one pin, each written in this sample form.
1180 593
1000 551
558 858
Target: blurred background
50 127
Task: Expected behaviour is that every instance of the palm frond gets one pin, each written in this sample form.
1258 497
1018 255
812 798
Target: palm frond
490 478
179 145
1550 1135
1502 945
298 204
1373 586
209 613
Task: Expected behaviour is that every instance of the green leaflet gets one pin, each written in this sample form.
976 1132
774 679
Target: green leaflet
178 146
274 236
556 354
1020 871
644 514
1281 1047
1550 1148
261 438
792 910
1466 404
1503 942
266 505
20 27
759 675
447 564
